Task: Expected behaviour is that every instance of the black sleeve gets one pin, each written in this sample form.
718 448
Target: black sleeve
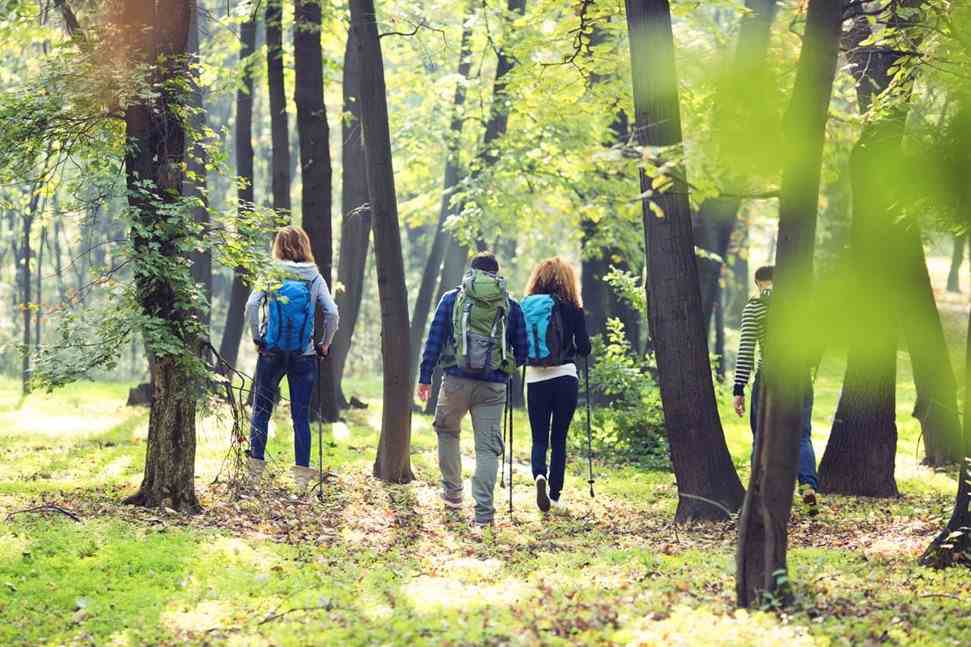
581 338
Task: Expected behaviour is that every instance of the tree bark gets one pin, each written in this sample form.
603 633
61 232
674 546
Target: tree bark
239 292
453 268
393 460
155 154
433 264
279 127
356 210
196 185
762 528
716 217
26 303
702 465
39 292
957 259
316 173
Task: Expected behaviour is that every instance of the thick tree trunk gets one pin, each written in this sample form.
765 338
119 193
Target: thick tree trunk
315 172
393 460
279 126
937 405
156 153
356 214
762 528
426 288
239 292
706 477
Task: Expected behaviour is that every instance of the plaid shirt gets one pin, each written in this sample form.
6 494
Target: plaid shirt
440 334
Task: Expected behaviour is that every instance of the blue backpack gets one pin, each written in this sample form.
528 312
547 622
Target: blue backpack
289 316
544 331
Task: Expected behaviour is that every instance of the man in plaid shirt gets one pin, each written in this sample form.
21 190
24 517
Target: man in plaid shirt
482 395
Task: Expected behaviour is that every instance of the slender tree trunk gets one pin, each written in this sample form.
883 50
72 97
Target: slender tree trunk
720 364
279 127
59 262
356 210
315 171
702 465
762 527
433 265
39 315
957 259
27 223
156 153
393 460
453 268
239 292
716 217
196 185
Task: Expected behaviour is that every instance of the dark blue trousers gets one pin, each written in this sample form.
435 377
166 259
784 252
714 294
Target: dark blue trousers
807 456
301 373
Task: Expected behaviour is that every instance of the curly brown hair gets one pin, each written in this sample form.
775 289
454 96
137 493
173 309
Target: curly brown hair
555 276
292 244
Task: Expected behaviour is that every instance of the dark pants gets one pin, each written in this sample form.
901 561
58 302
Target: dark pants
301 373
551 407
807 456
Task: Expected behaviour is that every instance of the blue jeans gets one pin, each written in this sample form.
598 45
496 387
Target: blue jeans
807 456
301 372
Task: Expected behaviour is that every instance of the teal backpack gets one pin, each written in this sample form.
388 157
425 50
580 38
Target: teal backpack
544 331
289 323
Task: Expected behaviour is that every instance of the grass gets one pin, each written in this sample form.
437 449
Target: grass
380 564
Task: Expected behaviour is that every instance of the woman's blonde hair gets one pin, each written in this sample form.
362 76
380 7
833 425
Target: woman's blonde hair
292 244
555 276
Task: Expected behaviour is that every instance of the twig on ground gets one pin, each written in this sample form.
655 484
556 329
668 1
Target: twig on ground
47 507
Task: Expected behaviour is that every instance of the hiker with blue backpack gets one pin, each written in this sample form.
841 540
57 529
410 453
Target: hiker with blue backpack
478 338
557 335
281 320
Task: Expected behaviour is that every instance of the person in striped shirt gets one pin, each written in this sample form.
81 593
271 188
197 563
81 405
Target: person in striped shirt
752 340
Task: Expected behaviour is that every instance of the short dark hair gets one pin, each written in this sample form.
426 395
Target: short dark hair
764 273
486 262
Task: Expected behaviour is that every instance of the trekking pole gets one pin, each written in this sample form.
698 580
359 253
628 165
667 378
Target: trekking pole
586 378
320 431
509 415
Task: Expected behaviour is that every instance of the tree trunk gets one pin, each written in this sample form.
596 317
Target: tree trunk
26 303
39 315
453 268
59 263
315 172
196 185
155 154
356 214
716 217
703 468
720 364
279 127
953 545
957 259
762 528
937 405
239 292
393 460
433 265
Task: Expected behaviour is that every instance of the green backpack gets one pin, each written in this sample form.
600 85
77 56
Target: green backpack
479 323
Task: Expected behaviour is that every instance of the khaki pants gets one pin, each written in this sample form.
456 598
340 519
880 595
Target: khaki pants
485 401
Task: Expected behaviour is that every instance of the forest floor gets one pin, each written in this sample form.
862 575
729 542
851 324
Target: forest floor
375 563
379 564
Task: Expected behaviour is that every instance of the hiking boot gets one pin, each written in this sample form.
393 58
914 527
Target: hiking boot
542 496
303 477
559 506
452 503
254 470
809 498
478 528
